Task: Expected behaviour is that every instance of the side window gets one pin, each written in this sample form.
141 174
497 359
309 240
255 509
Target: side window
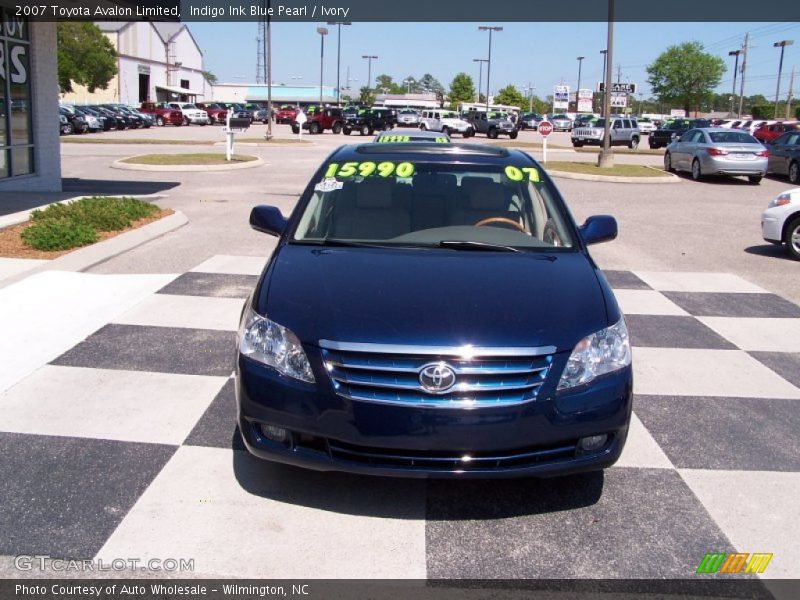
793 140
618 124
627 123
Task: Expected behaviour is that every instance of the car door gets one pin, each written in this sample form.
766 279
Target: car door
778 153
691 143
680 160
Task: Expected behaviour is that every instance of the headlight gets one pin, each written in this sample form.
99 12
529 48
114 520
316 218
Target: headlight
603 352
267 342
781 200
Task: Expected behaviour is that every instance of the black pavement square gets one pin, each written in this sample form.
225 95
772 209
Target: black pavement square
625 280
621 523
667 331
708 304
157 349
745 434
217 427
785 364
217 285
64 496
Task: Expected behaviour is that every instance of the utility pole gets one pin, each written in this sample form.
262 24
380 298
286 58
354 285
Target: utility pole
789 95
480 62
744 67
338 56
603 97
782 45
488 60
735 53
578 89
606 156
268 75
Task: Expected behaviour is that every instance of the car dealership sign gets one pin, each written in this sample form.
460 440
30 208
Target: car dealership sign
619 88
561 97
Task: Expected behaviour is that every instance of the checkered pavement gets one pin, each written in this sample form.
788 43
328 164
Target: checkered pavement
125 445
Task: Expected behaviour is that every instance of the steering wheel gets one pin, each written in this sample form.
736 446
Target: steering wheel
504 220
550 235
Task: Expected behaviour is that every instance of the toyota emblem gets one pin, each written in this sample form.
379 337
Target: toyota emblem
437 378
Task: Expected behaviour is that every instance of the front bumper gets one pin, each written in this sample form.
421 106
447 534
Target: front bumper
772 226
331 433
199 120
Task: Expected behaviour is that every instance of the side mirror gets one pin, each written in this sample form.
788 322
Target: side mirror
267 219
600 228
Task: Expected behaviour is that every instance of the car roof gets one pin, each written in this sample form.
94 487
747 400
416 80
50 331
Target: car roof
432 152
414 134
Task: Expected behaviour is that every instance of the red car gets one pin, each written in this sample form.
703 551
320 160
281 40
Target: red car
769 133
163 113
216 112
286 114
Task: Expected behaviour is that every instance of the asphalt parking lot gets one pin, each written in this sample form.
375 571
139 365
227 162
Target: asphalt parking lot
133 401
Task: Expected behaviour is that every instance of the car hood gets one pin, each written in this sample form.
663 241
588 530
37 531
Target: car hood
433 297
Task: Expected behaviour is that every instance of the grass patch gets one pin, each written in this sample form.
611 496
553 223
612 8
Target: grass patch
531 145
262 140
592 169
622 150
66 226
199 158
135 141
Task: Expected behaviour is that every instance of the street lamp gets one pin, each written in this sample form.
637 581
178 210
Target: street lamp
322 31
480 62
369 68
408 83
782 45
529 89
735 53
578 89
606 157
489 59
338 53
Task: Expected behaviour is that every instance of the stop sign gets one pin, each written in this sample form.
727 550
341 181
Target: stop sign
545 128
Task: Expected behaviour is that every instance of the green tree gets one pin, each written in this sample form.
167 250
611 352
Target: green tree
85 56
367 96
429 84
462 89
386 85
209 77
511 96
685 75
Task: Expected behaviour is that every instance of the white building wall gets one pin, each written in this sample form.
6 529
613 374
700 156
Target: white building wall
44 95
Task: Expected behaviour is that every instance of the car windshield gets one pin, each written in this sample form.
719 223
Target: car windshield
561 117
600 123
418 204
450 115
190 106
408 112
732 137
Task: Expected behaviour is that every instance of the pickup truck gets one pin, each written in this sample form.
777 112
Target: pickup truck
216 112
285 114
492 125
320 120
624 132
163 113
663 137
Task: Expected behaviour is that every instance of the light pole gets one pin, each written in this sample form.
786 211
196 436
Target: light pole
369 68
489 59
322 31
408 82
603 96
480 62
268 52
606 157
578 89
529 89
338 54
782 45
735 53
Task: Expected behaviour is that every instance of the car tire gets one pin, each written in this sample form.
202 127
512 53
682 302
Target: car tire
337 128
754 179
697 173
668 163
791 238
422 126
203 123
314 128
387 127
794 172
295 130
634 143
347 131
180 124
365 130
577 144
70 129
513 135
160 121
492 133
446 130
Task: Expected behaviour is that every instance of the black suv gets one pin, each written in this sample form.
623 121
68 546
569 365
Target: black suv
371 120
663 137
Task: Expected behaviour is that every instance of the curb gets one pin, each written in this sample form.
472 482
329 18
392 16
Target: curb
89 256
118 164
613 178
266 144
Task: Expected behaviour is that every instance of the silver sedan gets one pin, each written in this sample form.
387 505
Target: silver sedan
717 151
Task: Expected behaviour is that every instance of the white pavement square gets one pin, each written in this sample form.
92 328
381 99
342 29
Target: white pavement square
691 372
199 312
697 282
765 335
641 450
232 265
271 520
757 510
14 266
132 406
647 302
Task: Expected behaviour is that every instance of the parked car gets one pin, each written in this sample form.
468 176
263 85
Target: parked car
717 151
64 126
114 120
664 136
408 117
163 113
529 121
752 125
239 110
412 136
368 121
446 121
77 122
191 114
623 132
258 112
561 123
492 124
131 121
143 119
94 122
286 114
784 156
429 372
216 112
646 126
769 133
780 222
328 119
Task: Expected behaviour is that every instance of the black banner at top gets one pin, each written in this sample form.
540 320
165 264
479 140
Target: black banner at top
407 10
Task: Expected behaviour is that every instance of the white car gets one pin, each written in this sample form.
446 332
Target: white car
446 121
646 125
780 223
191 114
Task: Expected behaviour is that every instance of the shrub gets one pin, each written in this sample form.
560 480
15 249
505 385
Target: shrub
58 234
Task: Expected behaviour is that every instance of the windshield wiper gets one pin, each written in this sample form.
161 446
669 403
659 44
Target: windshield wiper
341 243
471 245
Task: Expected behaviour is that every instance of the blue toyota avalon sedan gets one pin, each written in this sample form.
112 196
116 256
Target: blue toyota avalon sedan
432 311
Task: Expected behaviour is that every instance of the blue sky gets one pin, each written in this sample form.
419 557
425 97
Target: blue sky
537 53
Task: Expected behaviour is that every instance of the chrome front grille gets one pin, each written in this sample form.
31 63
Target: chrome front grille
390 374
